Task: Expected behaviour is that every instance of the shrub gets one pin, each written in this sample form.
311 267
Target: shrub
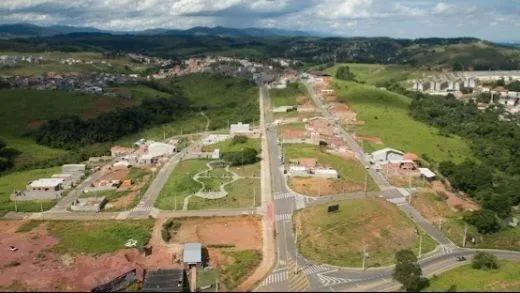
484 260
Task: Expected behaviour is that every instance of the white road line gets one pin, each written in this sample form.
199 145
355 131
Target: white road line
280 195
314 269
276 278
327 281
283 217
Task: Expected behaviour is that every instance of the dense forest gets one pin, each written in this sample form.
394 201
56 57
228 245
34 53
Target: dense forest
7 156
456 53
495 180
70 131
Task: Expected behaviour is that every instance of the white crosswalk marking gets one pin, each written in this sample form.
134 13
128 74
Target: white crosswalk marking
276 278
312 269
327 281
283 217
280 195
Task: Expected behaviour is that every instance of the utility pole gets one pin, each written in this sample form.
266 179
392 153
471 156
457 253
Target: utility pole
15 205
216 285
420 245
364 255
465 234
254 197
366 181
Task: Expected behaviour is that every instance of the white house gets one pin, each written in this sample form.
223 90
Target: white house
46 185
299 171
386 154
157 149
326 173
239 128
427 173
68 180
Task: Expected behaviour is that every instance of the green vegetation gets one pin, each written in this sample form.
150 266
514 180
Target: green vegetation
343 73
230 146
206 277
484 261
7 156
28 226
434 207
338 238
377 74
98 237
18 181
467 279
169 229
241 194
350 171
287 96
213 179
180 184
244 261
245 156
408 272
386 116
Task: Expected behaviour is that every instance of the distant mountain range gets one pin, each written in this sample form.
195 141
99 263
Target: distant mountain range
26 30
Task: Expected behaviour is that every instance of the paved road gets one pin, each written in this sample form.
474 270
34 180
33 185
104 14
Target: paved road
293 272
64 203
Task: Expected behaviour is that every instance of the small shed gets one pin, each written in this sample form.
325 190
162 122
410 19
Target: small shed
171 280
427 174
192 254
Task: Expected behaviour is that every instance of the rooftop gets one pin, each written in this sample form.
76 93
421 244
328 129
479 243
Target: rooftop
192 253
46 182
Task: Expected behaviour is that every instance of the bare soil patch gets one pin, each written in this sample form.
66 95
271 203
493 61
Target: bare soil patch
314 186
454 201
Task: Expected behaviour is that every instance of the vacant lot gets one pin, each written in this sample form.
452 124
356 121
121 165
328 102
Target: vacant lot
386 116
294 94
234 244
68 256
230 146
435 209
18 181
465 278
180 184
243 193
378 73
338 238
351 172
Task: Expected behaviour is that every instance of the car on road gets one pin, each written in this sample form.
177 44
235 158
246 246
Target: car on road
461 258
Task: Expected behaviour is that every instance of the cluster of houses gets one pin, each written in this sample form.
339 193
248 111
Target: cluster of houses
53 186
389 158
143 153
93 82
143 59
12 60
308 167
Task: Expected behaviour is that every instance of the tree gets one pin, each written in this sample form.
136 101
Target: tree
244 157
344 73
484 220
7 156
484 261
408 272
237 139
499 203
514 86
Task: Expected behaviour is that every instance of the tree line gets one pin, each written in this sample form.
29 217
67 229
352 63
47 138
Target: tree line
492 179
71 131
7 156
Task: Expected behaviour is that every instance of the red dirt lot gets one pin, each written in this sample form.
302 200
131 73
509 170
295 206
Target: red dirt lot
453 200
34 267
321 186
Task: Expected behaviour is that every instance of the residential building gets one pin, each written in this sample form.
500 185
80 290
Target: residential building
239 129
192 254
386 154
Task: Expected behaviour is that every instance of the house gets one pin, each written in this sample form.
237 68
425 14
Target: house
117 151
306 108
164 280
386 154
239 128
46 185
325 173
157 149
68 180
427 174
215 154
299 171
214 138
122 164
76 170
192 255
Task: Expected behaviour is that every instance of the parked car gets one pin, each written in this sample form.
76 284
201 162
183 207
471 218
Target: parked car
461 258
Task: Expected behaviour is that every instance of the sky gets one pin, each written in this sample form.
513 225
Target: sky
495 20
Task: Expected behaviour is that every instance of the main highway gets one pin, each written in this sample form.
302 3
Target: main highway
292 272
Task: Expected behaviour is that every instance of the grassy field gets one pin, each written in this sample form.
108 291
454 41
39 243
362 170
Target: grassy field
338 238
98 237
18 181
243 193
244 261
378 73
467 279
180 184
228 145
386 116
287 96
52 63
350 171
434 208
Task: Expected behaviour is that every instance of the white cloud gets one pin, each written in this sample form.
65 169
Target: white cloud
442 7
